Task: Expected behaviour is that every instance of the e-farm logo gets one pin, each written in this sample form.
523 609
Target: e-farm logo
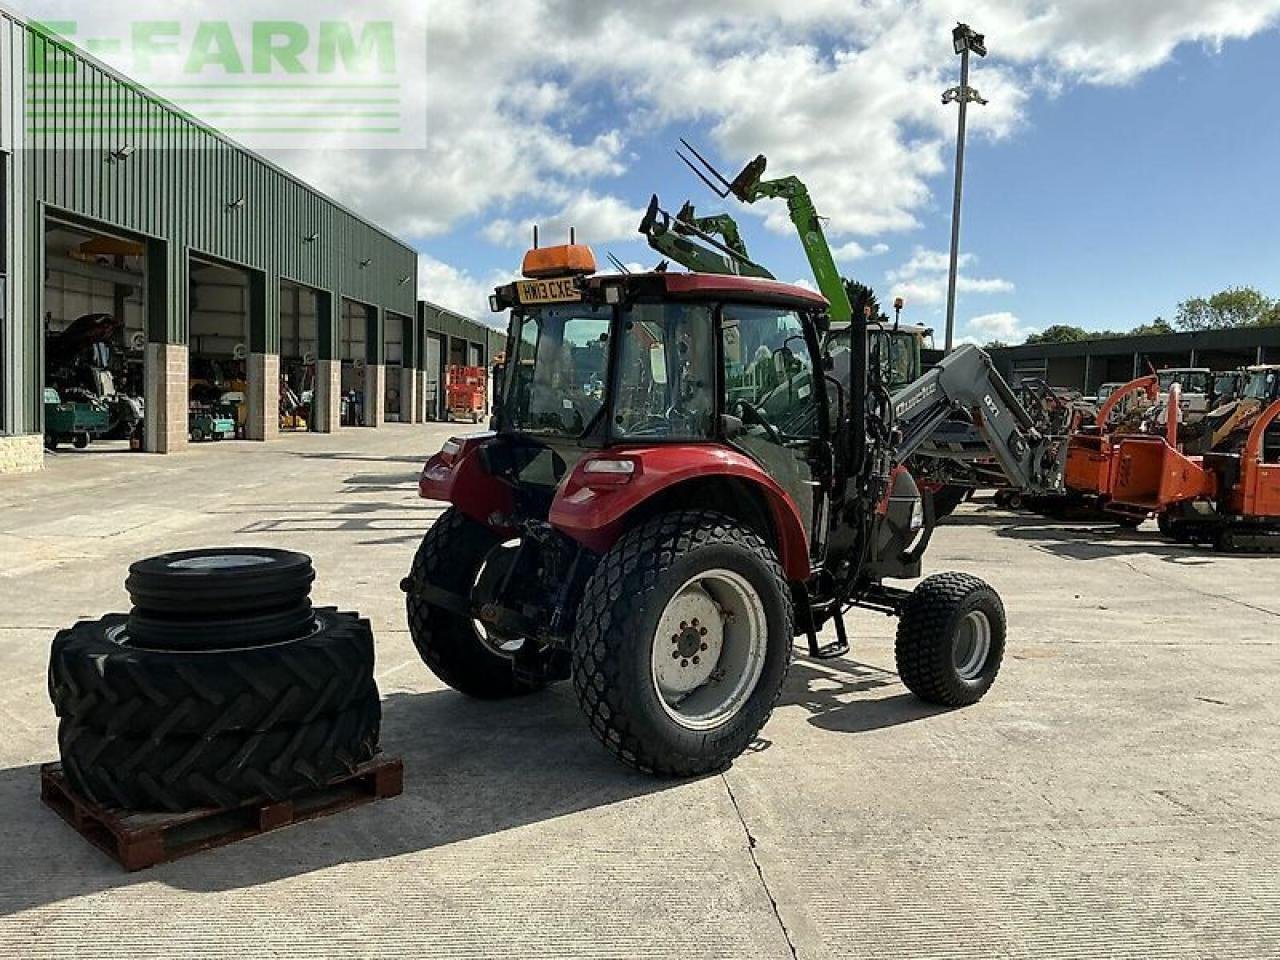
271 83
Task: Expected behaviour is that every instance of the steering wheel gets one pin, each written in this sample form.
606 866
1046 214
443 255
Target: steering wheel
752 414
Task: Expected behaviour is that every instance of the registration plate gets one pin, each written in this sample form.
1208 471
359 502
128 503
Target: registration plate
563 290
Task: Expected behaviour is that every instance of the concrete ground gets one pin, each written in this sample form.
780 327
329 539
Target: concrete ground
1117 794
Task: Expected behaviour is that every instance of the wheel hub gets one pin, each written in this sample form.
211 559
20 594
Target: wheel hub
708 650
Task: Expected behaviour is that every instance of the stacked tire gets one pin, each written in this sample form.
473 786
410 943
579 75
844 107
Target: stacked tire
222 687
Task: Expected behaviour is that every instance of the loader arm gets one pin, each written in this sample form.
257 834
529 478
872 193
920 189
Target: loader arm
804 215
967 380
677 238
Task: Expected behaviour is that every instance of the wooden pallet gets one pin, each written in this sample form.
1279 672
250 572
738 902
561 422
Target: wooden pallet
137 841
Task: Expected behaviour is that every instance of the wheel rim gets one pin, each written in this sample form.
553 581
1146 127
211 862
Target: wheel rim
504 647
709 649
972 646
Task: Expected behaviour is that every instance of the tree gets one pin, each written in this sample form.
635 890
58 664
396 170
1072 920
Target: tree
1156 328
860 297
1061 333
1227 310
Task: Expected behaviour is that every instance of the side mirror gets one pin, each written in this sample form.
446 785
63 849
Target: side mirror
731 427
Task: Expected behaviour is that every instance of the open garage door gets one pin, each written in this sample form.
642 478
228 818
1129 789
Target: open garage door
433 385
219 352
396 398
359 381
299 351
95 339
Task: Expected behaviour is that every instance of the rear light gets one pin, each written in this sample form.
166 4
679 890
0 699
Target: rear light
449 452
608 472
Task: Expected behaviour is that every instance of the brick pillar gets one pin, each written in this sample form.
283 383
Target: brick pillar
375 398
167 398
264 397
410 405
424 415
328 399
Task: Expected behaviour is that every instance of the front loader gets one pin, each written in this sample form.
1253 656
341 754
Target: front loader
677 488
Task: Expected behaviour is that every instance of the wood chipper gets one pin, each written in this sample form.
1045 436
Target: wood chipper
678 486
1230 498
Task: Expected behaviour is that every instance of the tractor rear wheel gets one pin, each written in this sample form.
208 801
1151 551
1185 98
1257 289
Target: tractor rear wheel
452 559
951 639
683 642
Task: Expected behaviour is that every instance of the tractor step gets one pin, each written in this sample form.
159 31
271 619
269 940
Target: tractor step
834 650
829 651
138 841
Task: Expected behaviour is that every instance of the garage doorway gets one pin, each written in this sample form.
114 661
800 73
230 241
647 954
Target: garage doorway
357 405
95 338
219 351
433 386
396 398
299 351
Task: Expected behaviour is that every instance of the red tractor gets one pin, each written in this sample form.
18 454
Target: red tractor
677 489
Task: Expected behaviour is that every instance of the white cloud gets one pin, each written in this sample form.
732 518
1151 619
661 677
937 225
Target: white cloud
445 285
1003 326
597 220
923 278
853 250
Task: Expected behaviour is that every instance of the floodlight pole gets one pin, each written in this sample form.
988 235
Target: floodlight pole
964 94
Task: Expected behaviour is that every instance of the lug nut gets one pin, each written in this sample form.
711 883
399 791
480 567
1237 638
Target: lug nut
675 654
696 660
702 632
683 664
704 648
695 621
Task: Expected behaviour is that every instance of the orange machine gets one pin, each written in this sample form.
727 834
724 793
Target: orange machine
467 392
1231 500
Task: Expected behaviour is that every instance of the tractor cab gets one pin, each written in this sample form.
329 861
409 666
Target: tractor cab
664 361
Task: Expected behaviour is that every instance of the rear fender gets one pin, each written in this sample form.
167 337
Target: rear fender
596 509
457 475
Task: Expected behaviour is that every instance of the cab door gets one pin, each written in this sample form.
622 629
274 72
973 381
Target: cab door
772 392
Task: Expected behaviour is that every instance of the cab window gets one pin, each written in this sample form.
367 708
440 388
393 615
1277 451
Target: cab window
768 374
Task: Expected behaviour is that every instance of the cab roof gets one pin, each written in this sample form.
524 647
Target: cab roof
703 285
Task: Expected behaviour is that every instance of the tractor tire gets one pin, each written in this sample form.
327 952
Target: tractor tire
451 558
80 441
197 584
180 773
51 443
99 681
951 639
663 573
223 633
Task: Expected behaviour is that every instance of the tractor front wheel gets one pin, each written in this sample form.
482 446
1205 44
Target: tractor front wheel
951 640
451 559
683 642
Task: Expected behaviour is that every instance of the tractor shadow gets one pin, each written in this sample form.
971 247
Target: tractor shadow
836 695
1093 542
472 770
